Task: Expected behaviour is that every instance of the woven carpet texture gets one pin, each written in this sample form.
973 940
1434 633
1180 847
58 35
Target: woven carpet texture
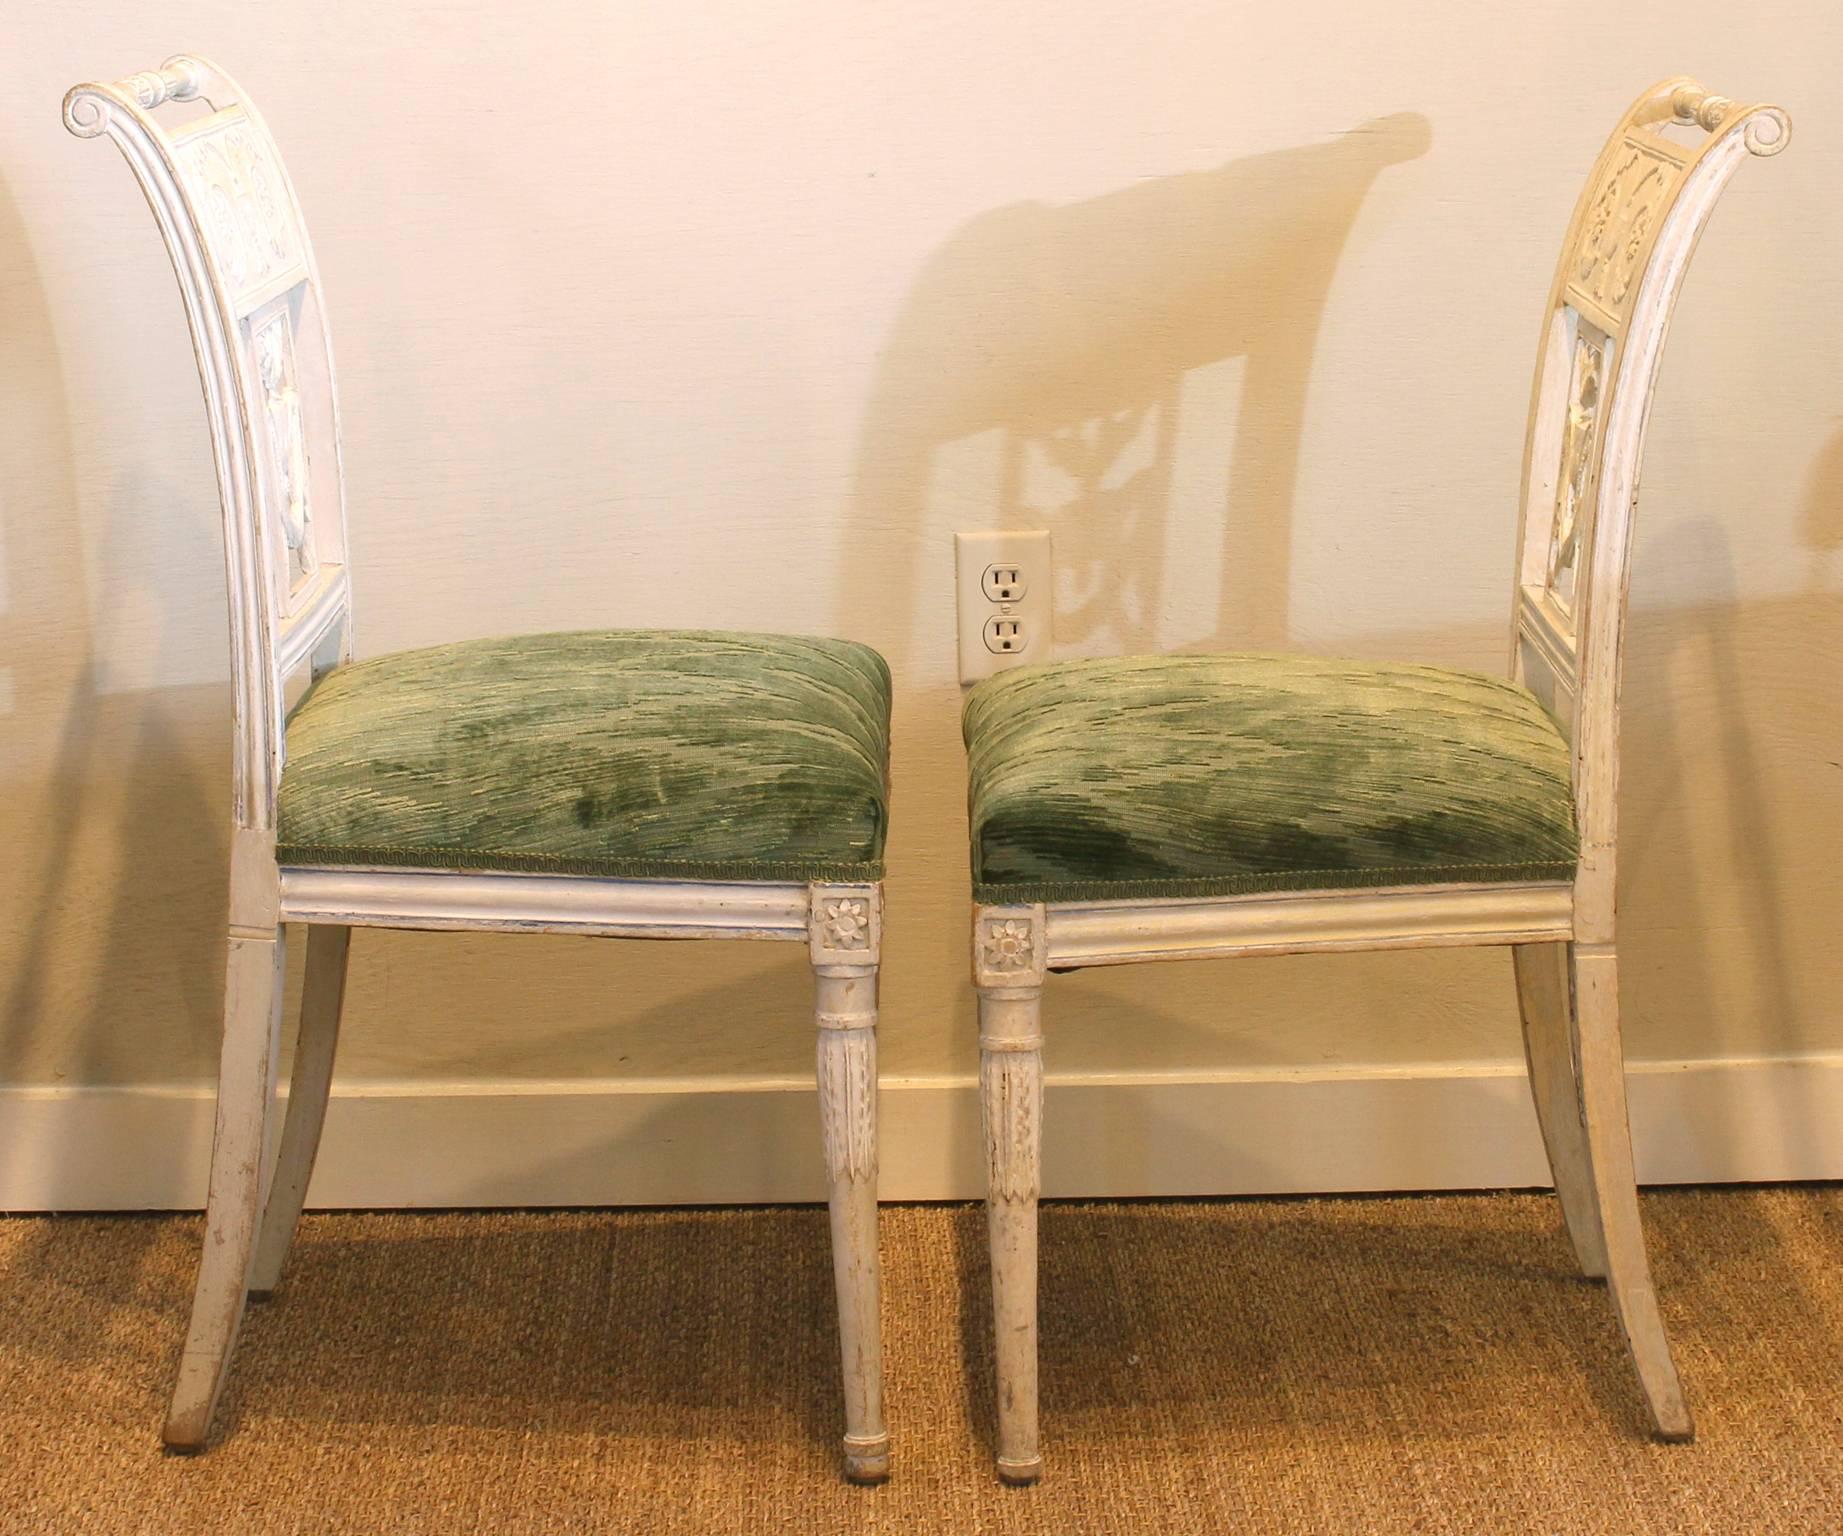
1425 1364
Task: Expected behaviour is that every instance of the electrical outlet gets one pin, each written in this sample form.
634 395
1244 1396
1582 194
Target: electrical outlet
1004 582
1004 590
1004 637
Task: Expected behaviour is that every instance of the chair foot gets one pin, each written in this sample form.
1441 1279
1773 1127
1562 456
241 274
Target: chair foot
867 1458
1019 1474
1635 1303
195 1400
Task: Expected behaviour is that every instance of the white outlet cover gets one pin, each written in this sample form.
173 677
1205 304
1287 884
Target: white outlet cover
974 555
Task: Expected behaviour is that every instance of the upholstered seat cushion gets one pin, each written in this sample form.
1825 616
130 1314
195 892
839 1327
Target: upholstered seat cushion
661 754
1159 776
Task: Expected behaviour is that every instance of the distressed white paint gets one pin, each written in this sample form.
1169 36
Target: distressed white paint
1636 224
1413 917
588 412
240 251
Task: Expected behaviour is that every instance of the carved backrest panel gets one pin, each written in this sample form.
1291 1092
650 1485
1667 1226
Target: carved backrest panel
1589 354
229 167
1622 264
252 295
1636 181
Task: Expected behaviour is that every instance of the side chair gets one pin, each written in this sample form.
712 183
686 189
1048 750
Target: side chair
1177 807
630 784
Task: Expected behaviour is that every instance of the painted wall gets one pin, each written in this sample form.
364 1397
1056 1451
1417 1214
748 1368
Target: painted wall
731 315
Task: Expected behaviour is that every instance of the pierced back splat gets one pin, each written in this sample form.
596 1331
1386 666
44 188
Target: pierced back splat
1622 265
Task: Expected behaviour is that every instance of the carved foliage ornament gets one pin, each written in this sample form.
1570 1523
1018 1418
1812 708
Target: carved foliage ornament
1620 221
845 923
285 429
844 926
848 1102
232 175
1579 466
1006 944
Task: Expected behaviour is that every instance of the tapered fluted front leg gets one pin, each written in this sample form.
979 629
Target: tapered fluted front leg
246 1092
1011 1099
844 935
1008 970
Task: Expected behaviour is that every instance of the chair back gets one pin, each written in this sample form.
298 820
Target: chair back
246 271
1628 246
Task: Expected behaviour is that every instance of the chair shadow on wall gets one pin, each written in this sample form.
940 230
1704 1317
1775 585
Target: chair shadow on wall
1070 331
1823 508
114 940
1739 646
1037 375
1697 805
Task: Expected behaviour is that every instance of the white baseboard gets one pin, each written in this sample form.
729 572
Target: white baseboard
695 1142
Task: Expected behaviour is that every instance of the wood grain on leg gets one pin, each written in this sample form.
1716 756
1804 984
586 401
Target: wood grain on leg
1542 994
246 1090
323 990
1628 1273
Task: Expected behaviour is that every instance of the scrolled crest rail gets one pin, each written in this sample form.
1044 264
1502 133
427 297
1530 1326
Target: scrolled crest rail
88 107
1766 130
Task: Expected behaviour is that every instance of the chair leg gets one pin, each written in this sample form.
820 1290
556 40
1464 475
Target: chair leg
1594 974
844 938
246 1090
1011 1101
1010 955
323 991
1542 995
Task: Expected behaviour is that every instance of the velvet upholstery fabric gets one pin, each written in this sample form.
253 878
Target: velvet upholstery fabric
1160 776
641 754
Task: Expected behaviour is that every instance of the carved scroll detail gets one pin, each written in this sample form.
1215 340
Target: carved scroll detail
1011 1098
848 1102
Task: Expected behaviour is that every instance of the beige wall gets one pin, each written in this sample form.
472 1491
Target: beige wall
729 316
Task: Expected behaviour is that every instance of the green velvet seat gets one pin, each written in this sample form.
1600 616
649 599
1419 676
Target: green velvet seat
639 754
1159 776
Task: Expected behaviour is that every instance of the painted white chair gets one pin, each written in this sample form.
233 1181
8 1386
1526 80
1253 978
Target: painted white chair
1164 808
718 786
